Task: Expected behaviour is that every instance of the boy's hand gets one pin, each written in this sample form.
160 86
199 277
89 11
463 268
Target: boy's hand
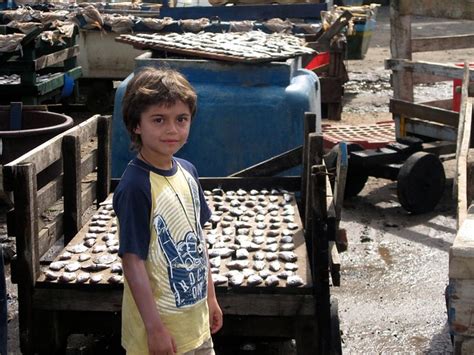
161 342
215 315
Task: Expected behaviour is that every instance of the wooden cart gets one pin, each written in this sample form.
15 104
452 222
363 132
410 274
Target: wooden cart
59 170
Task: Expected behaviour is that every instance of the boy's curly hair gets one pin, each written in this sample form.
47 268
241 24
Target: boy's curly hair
154 86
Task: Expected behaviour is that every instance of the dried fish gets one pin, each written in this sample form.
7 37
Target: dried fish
258 240
287 256
57 265
272 233
291 266
218 192
292 226
67 277
211 239
259 265
224 252
271 240
83 277
275 226
254 280
89 242
272 280
96 278
275 266
275 220
225 224
260 218
273 213
99 248
105 259
246 244
215 262
242 254
65 256
112 242
116 268
286 239
219 279
108 236
294 281
114 279
287 247
71 267
90 236
51 275
258 233
289 219
285 274
271 248
113 249
237 264
236 279
271 256
259 256
94 267
261 225
264 273
219 245
214 270
95 229
287 232
253 247
254 192
77 249
247 272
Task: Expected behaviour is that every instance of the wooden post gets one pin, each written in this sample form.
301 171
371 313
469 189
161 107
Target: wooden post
314 157
103 159
309 127
26 232
320 255
400 47
71 152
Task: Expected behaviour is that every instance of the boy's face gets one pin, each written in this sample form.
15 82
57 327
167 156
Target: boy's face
163 131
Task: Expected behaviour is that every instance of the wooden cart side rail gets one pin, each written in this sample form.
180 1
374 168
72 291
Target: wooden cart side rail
441 43
449 71
424 112
49 152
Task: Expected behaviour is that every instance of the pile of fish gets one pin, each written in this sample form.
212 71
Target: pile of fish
246 46
251 238
93 258
15 79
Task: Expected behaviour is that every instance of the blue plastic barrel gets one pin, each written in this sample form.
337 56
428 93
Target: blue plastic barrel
247 113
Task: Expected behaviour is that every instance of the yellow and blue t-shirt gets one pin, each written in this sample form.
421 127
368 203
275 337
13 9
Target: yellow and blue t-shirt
160 213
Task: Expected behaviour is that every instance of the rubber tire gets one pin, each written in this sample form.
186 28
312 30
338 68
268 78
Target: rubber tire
356 177
421 182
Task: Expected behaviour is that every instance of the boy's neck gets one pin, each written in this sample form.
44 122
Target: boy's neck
162 163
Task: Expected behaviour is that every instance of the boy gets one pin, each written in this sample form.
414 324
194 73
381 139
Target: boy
169 304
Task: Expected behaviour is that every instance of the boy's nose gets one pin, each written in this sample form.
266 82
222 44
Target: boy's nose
172 128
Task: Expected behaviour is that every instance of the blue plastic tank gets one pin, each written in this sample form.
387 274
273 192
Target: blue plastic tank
246 113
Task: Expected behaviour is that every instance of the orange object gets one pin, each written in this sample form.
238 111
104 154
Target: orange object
318 61
457 83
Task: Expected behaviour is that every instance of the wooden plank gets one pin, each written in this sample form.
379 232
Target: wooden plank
50 233
104 129
309 126
470 176
50 151
56 57
315 148
89 163
290 183
424 112
26 231
446 104
331 89
449 71
49 194
441 43
273 165
89 193
71 150
455 9
340 181
400 47
335 264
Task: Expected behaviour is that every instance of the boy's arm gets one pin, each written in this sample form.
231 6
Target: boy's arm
160 340
215 312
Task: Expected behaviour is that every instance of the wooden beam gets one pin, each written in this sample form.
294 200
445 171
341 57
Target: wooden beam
49 194
273 165
424 112
449 71
455 9
50 233
56 57
88 196
104 129
441 43
309 126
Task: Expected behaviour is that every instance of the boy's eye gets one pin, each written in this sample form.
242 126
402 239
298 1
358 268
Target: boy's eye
183 118
158 119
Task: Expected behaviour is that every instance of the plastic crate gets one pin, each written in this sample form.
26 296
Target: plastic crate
369 136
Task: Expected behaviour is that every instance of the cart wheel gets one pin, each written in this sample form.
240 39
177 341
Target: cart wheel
421 182
336 343
356 177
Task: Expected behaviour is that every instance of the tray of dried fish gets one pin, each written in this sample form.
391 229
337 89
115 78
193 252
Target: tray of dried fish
90 258
253 46
255 239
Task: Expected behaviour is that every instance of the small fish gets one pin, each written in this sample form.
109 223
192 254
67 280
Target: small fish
71 267
113 249
242 254
285 274
275 266
264 273
273 198
111 242
260 218
237 264
294 281
273 233
271 256
96 278
275 226
254 280
65 256
67 277
90 236
57 265
288 256
291 266
236 279
288 219
51 275
77 249
271 240
287 247
219 279
272 280
215 262
99 249
94 267
260 255
261 225
83 277
274 220
270 248
286 239
292 226
89 243
253 192
105 259
115 279
108 236
247 272
287 232
259 265
258 240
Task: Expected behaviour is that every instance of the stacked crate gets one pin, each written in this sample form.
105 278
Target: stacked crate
40 71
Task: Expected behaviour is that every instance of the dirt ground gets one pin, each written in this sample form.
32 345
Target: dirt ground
395 271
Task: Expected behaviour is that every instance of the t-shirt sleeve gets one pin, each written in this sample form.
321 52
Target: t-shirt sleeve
132 205
205 212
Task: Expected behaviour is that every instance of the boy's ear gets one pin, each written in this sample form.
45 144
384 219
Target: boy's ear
137 129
